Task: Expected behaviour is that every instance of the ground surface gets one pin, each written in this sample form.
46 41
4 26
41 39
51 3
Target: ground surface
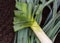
6 19
6 22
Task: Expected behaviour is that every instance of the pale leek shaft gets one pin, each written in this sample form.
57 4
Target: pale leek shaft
40 33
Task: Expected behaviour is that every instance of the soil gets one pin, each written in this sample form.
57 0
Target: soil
6 22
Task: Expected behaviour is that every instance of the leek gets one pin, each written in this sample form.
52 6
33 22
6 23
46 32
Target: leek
40 33
24 20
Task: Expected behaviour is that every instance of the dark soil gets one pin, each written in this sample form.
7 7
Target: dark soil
6 21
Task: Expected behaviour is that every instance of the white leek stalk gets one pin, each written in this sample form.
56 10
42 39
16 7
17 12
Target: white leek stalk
40 33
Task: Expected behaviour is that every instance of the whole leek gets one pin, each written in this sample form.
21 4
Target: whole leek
23 19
